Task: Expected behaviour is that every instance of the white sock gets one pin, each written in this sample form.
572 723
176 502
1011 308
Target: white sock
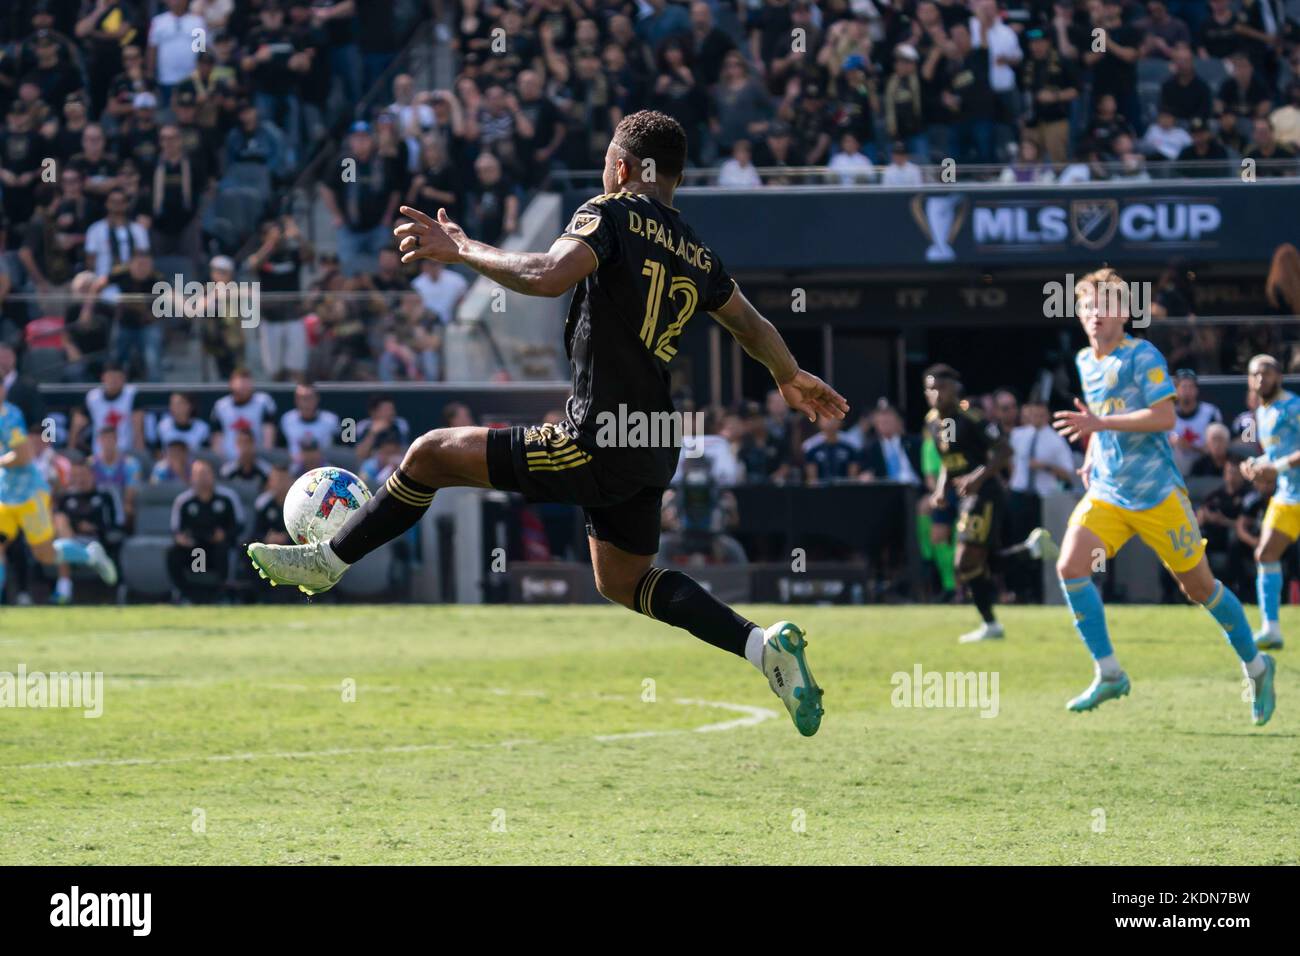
1108 666
333 560
1255 668
754 647
63 587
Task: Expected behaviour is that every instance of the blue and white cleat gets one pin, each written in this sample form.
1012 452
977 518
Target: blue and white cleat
102 563
787 673
303 566
985 632
1265 698
1099 691
1269 639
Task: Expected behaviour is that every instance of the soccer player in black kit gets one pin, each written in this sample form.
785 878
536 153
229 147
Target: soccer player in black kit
640 273
973 452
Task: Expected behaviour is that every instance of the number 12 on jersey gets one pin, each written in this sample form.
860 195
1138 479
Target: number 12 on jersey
681 287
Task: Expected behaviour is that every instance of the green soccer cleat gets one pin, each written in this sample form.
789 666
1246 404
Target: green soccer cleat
1100 691
1041 546
1265 698
787 673
303 566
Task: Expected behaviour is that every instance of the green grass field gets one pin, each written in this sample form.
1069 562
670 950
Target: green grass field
480 735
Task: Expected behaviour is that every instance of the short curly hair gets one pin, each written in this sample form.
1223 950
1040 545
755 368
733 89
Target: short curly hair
656 136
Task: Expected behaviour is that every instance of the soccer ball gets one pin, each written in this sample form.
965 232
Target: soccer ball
319 503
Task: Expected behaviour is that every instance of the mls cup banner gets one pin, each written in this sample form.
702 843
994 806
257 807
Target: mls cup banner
835 229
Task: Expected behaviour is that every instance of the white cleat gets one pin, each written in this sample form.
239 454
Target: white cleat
304 566
985 632
1269 639
102 563
788 675
1041 546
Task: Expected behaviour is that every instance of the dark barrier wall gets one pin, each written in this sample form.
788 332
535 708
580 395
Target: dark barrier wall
827 228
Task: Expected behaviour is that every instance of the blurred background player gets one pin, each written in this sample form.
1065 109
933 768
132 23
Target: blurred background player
1278 420
973 453
25 507
1135 487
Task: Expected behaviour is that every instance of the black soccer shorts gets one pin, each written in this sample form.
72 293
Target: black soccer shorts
543 463
981 516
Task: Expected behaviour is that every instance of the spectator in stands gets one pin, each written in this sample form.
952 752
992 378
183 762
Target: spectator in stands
775 151
1163 32
970 99
180 423
1114 66
362 201
1003 44
278 263
174 465
889 454
222 331
1245 92
1028 166
206 521
441 289
310 456
493 206
176 195
246 465
849 163
112 242
268 508
172 53
1130 165
110 405
904 99
1193 418
22 150
251 142
1205 158
97 166
134 80
137 330
48 254
245 408
87 329
901 171
1218 515
763 458
387 456
382 418
1106 125
1272 158
274 67
738 171
438 183
740 107
1220 33
1165 139
307 418
116 471
1049 82
831 459
1215 456
1184 94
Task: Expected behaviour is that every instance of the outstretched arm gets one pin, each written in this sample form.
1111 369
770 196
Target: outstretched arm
1079 424
759 338
549 273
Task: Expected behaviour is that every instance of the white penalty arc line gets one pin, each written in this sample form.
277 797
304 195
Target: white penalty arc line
752 716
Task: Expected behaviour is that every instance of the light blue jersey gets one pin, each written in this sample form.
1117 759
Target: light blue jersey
17 485
1134 470
1279 433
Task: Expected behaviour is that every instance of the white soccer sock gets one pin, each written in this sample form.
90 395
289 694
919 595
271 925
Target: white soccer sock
1108 666
754 647
336 563
1255 668
63 587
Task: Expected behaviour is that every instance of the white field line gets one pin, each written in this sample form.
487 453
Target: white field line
752 716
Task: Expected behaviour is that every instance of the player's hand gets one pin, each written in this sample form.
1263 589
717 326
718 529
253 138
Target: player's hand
1261 467
1247 469
1078 425
967 485
808 394
425 238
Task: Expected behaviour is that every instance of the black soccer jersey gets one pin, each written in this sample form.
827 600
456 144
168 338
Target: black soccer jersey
624 323
963 440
